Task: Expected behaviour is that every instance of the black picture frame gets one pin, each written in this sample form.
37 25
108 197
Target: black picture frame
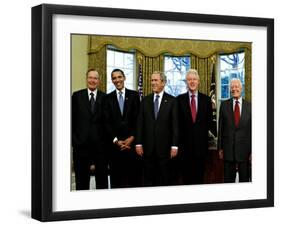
42 86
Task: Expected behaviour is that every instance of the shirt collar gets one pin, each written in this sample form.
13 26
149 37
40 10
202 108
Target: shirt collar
122 90
94 92
195 94
239 100
160 94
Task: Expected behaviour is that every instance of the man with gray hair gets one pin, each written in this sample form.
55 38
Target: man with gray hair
234 137
157 132
88 134
195 116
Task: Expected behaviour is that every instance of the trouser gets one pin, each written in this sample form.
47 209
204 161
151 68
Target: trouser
193 170
230 169
125 169
82 160
156 171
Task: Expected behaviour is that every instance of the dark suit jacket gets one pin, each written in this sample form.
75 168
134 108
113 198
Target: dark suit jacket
157 136
87 128
118 125
194 136
235 142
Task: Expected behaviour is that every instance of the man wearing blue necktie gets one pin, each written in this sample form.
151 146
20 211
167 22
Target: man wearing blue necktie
234 137
157 132
121 110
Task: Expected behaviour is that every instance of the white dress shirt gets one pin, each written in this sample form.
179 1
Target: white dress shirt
95 92
195 98
117 95
240 104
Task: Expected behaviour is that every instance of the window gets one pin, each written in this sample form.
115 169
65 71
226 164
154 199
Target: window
231 66
175 69
125 62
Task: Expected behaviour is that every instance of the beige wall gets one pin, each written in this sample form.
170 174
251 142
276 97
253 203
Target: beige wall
79 47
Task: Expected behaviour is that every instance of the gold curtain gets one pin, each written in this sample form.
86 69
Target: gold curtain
149 65
248 74
154 47
150 53
204 66
97 61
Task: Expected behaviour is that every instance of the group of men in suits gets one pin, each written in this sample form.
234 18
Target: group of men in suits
161 140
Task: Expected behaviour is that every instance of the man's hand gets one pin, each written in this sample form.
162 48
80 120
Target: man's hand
122 145
173 153
139 150
129 141
221 154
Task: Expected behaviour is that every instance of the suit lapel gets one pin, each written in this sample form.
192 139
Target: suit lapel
199 106
85 101
231 112
243 112
114 102
151 105
126 102
186 106
163 104
97 102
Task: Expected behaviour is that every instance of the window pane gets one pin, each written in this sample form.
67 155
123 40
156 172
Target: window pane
123 61
110 57
119 62
128 61
224 78
231 66
224 91
175 69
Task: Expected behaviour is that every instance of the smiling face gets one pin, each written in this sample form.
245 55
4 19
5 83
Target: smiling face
118 79
236 88
156 83
192 82
93 80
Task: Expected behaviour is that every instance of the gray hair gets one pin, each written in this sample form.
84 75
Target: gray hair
163 77
194 72
92 69
236 80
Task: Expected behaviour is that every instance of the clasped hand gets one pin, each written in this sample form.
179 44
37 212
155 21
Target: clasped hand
125 144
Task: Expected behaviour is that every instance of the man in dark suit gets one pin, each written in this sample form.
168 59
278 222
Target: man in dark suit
234 138
157 132
87 134
195 116
121 111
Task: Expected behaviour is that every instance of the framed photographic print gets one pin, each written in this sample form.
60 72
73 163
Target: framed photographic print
68 42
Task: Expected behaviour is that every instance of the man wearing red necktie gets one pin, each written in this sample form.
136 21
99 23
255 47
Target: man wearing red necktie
195 117
234 137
